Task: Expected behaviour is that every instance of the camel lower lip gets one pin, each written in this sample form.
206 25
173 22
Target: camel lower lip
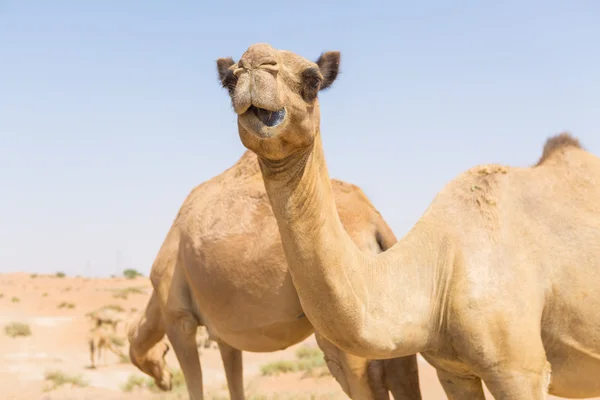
269 118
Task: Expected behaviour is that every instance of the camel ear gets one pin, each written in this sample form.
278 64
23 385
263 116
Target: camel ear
223 65
329 65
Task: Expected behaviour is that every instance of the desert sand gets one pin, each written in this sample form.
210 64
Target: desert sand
54 308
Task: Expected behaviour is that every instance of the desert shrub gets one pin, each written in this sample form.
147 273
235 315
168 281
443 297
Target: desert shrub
308 358
17 329
131 273
114 307
134 382
137 381
58 378
125 292
15 299
60 274
66 305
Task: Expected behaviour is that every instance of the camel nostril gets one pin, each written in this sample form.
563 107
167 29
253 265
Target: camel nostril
269 118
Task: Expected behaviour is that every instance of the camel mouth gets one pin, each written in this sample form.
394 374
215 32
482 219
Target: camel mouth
267 117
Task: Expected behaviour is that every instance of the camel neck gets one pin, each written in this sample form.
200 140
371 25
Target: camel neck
334 279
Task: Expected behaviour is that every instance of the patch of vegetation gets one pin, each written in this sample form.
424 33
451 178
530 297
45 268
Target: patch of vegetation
66 305
114 307
308 359
58 378
134 382
124 359
16 329
131 273
68 289
279 367
45 294
1 295
15 299
33 276
308 352
60 274
140 382
125 292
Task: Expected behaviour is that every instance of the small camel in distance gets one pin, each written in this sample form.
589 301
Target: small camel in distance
100 340
222 266
497 282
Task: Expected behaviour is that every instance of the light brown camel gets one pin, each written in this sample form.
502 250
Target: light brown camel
222 266
106 316
99 339
498 280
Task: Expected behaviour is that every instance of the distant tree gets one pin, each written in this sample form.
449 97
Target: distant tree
131 273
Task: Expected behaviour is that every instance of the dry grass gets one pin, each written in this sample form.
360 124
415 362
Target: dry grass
66 305
58 378
15 299
17 329
308 359
125 292
136 381
114 307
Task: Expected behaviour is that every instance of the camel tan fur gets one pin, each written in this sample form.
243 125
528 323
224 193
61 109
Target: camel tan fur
498 281
99 339
106 316
222 266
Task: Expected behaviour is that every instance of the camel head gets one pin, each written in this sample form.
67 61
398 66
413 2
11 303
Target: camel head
274 94
153 363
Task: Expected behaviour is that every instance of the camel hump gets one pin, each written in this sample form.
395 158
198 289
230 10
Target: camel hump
558 143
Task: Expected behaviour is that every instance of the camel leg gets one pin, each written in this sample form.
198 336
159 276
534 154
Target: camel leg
402 377
113 350
513 363
519 383
181 333
459 387
232 362
92 354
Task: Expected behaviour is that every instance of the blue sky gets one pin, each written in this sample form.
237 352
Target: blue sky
110 112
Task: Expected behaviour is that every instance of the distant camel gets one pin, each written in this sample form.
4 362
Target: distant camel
100 338
498 281
222 266
106 316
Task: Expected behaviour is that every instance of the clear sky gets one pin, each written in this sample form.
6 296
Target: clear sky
110 111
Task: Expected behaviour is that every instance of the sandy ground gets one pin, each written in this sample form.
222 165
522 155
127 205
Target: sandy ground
58 343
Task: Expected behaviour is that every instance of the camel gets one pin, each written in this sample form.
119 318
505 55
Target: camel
100 338
106 316
204 341
222 266
496 282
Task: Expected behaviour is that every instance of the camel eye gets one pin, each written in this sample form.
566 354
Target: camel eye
315 82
